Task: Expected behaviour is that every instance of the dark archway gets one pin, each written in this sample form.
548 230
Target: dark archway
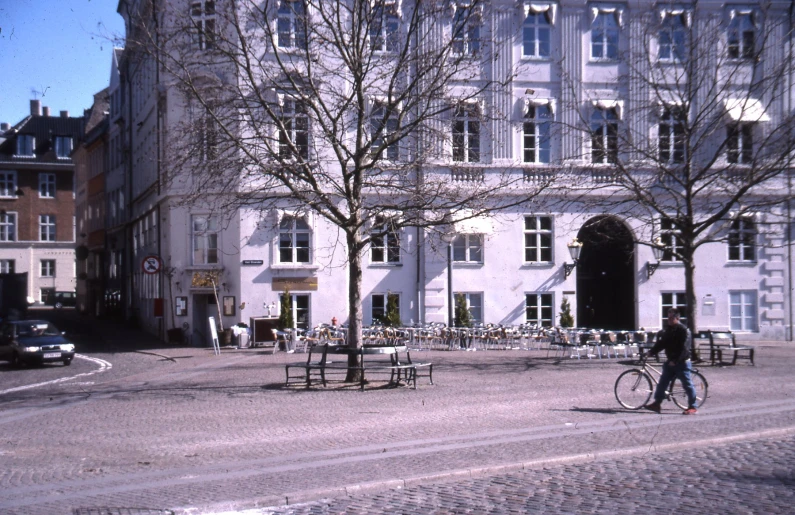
606 275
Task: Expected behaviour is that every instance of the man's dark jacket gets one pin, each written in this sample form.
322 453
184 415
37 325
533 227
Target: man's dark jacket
674 341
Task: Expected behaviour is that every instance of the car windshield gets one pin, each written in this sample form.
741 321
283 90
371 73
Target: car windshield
37 328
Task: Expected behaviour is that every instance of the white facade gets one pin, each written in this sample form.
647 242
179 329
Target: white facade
513 272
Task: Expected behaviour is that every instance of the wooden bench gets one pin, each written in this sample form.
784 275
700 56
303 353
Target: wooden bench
724 342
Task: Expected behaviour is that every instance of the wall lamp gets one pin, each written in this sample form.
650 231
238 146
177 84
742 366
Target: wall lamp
575 247
657 249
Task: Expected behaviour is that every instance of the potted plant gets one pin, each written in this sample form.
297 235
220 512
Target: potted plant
566 318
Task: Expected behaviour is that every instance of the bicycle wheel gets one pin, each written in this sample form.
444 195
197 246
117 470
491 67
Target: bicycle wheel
633 389
679 396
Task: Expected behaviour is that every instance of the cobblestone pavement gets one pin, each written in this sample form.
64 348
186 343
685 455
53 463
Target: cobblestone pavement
181 429
753 476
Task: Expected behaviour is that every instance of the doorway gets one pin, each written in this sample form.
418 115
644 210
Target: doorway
606 275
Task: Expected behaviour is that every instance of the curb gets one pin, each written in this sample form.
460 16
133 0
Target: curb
306 496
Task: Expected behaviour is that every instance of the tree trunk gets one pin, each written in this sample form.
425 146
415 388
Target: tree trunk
355 316
692 303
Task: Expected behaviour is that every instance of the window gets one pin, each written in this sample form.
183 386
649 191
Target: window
205 239
466 31
742 240
604 36
291 24
673 300
741 36
384 27
474 305
466 133
536 134
672 136
669 234
536 35
604 136
7 266
63 146
740 143
8 227
538 309
46 185
25 145
299 305
203 16
8 184
383 130
538 239
379 307
742 311
385 242
468 248
46 227
294 238
208 138
673 38
294 137
47 268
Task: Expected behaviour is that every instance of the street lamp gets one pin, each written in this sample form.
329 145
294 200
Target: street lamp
657 249
449 238
575 247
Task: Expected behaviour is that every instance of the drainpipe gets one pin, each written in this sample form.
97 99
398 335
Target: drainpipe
789 336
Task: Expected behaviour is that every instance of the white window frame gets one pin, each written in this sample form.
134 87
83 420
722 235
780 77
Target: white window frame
678 300
604 143
47 228
474 302
293 234
742 240
536 133
674 26
8 183
208 138
299 311
468 248
382 129
47 268
740 143
385 27
537 32
291 29
205 236
378 304
743 311
385 248
46 185
7 266
669 235
535 311
295 121
671 135
466 29
538 239
604 35
25 145
203 16
63 146
8 226
738 45
466 132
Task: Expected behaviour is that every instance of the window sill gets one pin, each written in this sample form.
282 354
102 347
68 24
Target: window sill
603 60
539 264
536 58
385 265
741 263
294 266
467 264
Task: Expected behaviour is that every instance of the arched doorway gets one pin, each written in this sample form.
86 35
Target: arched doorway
605 275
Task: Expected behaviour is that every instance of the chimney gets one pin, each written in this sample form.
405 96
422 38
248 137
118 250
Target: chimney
35 107
46 110
4 126
64 114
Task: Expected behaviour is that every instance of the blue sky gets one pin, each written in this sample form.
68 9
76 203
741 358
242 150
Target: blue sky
60 48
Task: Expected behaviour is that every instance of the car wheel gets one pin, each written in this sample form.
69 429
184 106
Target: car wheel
58 305
67 362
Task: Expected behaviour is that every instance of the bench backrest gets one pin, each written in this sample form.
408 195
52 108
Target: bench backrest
722 338
315 349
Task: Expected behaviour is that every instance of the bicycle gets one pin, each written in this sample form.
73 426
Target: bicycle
635 387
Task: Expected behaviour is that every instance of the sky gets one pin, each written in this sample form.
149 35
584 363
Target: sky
58 51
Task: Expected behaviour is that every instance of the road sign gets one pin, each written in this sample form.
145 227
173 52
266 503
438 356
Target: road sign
151 264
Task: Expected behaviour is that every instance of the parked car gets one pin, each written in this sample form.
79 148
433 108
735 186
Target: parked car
60 299
34 342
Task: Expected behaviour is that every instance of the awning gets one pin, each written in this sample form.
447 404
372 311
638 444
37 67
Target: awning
746 110
474 225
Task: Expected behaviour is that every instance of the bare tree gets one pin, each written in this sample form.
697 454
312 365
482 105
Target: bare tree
374 115
702 136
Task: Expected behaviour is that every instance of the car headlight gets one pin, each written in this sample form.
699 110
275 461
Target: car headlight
31 349
68 347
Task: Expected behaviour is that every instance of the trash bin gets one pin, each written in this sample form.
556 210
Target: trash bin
242 340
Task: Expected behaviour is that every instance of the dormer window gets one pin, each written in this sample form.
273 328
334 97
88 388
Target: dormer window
63 146
25 145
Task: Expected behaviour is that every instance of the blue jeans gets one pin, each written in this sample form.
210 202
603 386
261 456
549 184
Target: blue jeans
679 371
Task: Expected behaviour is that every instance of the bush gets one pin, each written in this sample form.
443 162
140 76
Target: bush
566 318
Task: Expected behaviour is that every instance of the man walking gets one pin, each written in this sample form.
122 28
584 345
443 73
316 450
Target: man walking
675 341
